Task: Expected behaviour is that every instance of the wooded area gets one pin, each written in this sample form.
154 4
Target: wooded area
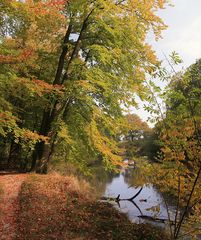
68 67
70 72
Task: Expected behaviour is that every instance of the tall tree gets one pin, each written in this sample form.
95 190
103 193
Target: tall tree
103 59
106 54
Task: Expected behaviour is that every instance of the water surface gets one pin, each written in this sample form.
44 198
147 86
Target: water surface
149 202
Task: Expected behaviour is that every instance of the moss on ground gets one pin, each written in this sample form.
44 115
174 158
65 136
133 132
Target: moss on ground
55 207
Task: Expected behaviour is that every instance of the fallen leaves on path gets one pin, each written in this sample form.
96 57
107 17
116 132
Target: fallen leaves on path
54 207
9 206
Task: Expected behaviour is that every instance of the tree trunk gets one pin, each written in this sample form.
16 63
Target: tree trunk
42 165
42 153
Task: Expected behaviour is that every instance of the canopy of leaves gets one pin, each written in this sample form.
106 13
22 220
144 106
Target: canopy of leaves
105 59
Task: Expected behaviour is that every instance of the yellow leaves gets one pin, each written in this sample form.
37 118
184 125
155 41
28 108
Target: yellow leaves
64 134
146 10
150 54
85 85
9 124
105 145
166 150
28 135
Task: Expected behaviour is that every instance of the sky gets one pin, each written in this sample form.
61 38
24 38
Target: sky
184 30
183 35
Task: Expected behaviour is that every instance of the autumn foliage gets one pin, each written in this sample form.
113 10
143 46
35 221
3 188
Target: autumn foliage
66 68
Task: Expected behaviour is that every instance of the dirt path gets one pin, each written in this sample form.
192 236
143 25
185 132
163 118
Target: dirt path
9 189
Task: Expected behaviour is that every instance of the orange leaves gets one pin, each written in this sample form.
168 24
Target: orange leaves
39 87
9 59
55 207
56 3
42 8
9 204
5 117
26 53
135 123
48 88
175 143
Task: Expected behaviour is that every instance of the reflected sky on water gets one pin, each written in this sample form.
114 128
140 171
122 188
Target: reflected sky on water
148 198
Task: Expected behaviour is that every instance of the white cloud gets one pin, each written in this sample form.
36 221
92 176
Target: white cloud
184 32
187 41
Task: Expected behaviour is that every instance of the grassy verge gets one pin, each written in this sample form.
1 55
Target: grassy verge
55 207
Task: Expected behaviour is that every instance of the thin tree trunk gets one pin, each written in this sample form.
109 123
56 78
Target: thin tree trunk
60 67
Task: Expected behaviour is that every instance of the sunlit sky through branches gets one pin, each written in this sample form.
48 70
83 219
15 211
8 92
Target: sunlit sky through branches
183 36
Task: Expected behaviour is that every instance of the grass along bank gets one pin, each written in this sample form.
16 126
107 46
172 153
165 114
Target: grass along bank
57 207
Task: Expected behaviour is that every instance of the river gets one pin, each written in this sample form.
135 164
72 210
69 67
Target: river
150 202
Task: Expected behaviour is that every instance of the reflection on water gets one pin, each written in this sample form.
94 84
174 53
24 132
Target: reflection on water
149 202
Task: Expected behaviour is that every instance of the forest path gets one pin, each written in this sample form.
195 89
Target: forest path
10 185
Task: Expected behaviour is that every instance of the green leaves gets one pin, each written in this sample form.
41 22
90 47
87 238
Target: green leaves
175 58
102 60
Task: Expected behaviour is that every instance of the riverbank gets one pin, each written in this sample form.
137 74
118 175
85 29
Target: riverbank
56 207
